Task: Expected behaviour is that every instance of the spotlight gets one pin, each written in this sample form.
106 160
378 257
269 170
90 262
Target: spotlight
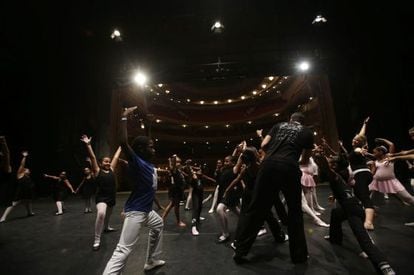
140 79
254 92
216 102
158 120
304 66
188 100
263 86
202 102
217 27
227 125
243 97
319 19
167 91
184 125
229 100
142 125
116 34
249 122
270 78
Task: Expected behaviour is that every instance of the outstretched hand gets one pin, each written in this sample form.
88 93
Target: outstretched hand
366 120
25 153
128 111
86 139
259 132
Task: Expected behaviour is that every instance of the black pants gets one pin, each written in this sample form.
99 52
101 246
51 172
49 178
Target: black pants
270 219
352 211
361 190
197 198
273 177
280 210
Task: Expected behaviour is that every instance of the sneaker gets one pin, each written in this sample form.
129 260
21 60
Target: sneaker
282 237
96 245
320 208
153 264
58 214
409 224
321 223
223 239
181 224
262 232
202 218
211 211
194 231
109 230
386 269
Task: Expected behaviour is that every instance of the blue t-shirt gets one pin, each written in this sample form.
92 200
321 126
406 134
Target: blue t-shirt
143 175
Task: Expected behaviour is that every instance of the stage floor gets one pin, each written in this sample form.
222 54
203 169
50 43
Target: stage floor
48 244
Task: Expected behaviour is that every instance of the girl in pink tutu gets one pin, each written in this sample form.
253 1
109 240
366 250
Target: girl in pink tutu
308 183
384 177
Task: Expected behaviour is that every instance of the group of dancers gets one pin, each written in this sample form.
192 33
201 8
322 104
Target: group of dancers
282 174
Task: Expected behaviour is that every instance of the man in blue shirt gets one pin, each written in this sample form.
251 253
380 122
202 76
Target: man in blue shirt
138 207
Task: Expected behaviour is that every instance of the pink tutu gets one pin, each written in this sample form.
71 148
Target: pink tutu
391 186
307 180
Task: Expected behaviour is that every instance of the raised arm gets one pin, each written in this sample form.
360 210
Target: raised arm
123 132
259 133
363 130
6 167
115 158
94 162
20 171
238 166
391 146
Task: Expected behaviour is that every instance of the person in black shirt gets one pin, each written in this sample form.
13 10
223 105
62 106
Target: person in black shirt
176 189
284 145
349 208
87 188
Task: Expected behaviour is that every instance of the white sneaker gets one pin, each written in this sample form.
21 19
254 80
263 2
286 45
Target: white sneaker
153 264
194 231
262 232
321 223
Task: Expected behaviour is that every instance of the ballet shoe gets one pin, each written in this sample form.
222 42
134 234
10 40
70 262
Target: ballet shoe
181 224
223 239
194 231
321 223
210 211
96 246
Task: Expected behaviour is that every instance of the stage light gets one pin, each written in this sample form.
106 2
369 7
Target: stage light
217 27
116 34
140 78
202 102
207 142
188 100
315 133
254 92
167 92
206 126
158 120
227 125
319 19
270 78
215 102
142 125
184 125
304 66
184 142
249 122
228 141
310 98
229 100
263 86
243 97
160 85
276 114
